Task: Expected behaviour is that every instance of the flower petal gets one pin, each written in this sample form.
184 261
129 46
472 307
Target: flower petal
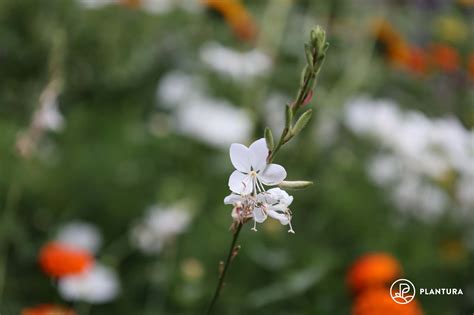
240 183
259 154
273 174
283 218
240 157
232 199
278 195
259 215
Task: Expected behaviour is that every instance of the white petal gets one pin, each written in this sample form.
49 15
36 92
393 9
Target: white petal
283 218
240 157
273 174
259 215
232 199
280 196
259 154
240 183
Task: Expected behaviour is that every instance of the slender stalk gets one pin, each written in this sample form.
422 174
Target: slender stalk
220 283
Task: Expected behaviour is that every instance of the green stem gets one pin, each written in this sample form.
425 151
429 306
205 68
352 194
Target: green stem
220 283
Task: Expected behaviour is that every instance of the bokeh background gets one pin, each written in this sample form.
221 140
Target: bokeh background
115 122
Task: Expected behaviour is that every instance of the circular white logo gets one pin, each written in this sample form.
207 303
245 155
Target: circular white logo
402 291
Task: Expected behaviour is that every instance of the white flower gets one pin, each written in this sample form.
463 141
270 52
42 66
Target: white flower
96 285
238 65
273 203
216 122
94 4
159 227
48 116
419 154
177 88
81 235
213 121
252 169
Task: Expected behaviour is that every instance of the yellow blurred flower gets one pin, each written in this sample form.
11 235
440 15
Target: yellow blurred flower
453 251
452 29
192 269
466 3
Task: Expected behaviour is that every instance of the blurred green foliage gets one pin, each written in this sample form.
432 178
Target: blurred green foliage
106 167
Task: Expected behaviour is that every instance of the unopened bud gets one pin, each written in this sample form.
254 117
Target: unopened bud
295 184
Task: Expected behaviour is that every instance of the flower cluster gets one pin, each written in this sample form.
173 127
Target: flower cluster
158 7
240 66
437 56
186 97
426 163
249 197
70 259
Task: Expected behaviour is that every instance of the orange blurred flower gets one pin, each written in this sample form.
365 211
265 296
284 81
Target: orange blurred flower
236 15
470 65
417 61
445 57
378 302
58 260
373 270
386 33
47 309
398 54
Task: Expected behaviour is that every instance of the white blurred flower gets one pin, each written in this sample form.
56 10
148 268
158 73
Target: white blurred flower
384 169
48 116
94 4
81 235
215 122
235 64
273 106
177 88
96 285
159 226
423 200
419 152
162 7
465 192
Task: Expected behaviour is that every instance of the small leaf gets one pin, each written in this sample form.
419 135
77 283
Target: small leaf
302 122
295 184
309 55
288 116
269 138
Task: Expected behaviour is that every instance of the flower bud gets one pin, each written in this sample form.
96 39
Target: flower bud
295 184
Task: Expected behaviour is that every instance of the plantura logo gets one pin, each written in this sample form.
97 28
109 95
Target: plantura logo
402 291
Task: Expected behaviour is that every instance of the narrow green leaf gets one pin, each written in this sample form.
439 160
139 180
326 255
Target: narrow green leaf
288 116
269 138
309 55
302 122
